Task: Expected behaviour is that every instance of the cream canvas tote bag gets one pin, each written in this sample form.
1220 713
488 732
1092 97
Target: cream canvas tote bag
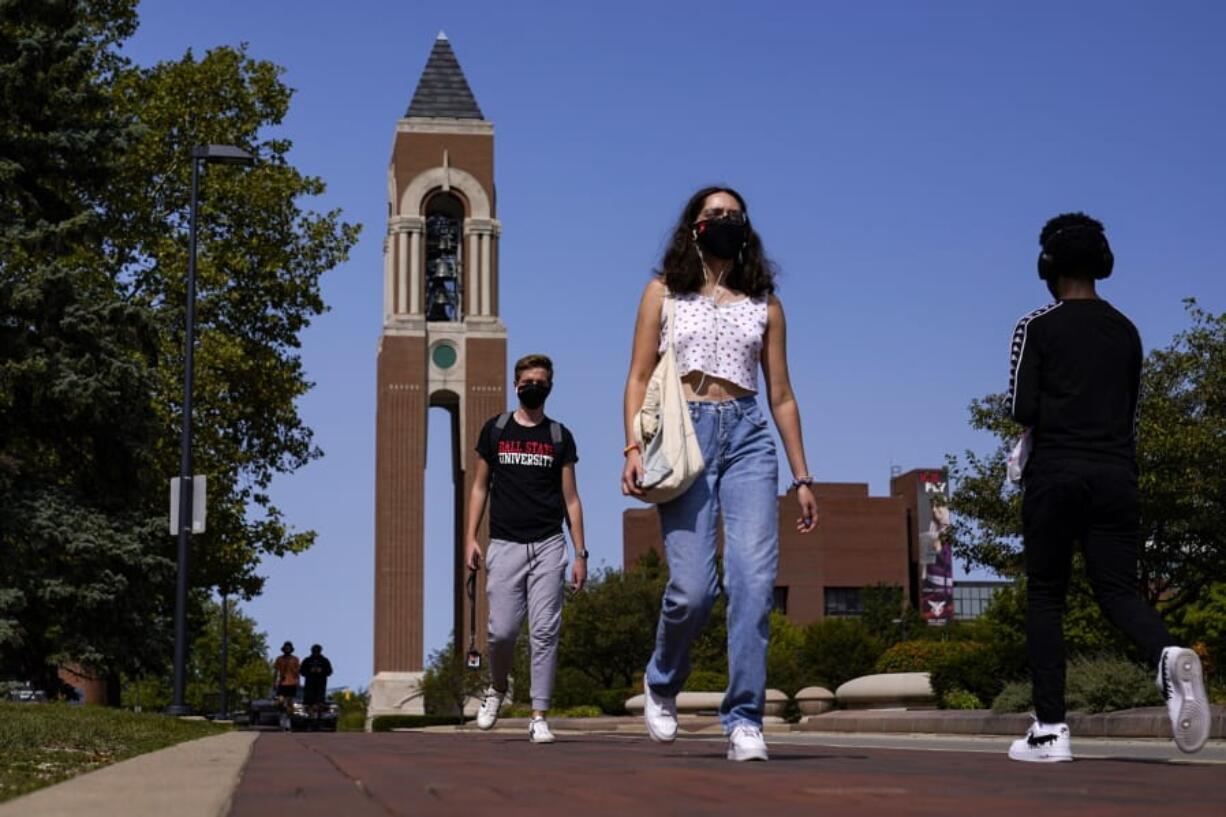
672 458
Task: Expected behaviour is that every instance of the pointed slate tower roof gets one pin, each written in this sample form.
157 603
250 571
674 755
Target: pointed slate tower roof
442 90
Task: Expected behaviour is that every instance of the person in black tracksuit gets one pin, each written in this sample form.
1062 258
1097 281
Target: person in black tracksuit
1075 383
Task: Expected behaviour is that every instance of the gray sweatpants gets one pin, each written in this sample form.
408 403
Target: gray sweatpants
526 578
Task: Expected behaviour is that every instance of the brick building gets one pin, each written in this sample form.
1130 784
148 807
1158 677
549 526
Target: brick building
860 541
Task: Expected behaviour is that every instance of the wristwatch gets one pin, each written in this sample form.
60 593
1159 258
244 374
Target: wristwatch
581 554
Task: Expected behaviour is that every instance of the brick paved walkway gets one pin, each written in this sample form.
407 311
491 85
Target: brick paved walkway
591 775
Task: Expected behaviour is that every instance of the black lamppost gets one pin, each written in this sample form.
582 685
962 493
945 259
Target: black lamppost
201 154
224 714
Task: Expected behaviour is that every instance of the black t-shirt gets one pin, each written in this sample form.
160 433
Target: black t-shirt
315 670
526 502
1075 380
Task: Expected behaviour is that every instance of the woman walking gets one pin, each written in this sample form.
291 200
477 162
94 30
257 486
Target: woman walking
728 321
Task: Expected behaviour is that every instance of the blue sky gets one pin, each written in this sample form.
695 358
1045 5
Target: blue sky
899 159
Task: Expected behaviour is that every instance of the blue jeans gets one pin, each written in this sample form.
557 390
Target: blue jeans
741 484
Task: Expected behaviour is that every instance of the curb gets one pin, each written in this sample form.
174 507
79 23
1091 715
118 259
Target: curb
1148 722
192 779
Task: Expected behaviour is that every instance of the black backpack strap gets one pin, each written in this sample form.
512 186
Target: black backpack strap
500 426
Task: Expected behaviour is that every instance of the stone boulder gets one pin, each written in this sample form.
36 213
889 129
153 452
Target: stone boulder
893 690
814 700
707 703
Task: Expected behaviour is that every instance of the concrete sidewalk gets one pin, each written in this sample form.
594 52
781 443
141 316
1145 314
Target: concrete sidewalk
192 779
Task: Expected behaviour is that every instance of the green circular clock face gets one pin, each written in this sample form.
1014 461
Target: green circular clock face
444 356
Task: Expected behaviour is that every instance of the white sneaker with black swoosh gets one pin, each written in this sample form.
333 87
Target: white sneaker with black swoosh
1043 743
538 731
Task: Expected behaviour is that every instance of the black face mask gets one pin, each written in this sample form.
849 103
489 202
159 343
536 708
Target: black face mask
533 395
721 237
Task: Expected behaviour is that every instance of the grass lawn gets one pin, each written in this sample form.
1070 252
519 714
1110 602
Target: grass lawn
41 744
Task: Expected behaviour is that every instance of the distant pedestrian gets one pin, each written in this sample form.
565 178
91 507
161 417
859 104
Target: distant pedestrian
526 469
1075 383
285 676
316 669
718 284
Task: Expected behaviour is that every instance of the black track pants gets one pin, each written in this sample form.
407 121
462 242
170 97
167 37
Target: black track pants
1094 504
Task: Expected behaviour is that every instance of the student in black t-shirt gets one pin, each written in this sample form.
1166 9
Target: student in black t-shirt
315 669
1075 381
527 471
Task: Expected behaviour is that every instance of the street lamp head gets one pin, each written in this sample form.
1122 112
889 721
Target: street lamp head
222 155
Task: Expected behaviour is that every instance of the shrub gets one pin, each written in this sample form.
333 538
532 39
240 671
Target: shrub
836 650
1016 696
910 656
960 699
613 701
1102 684
783 655
570 688
702 680
351 710
447 683
955 666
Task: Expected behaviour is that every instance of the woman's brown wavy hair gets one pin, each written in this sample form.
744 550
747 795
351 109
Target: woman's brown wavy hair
681 268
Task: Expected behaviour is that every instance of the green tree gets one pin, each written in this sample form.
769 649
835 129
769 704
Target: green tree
448 683
1181 444
838 649
94 187
83 570
608 630
886 616
1203 624
248 671
261 257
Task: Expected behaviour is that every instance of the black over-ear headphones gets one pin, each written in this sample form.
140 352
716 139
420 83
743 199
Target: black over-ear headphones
1047 262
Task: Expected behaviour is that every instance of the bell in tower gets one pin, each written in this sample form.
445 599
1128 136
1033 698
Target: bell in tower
443 288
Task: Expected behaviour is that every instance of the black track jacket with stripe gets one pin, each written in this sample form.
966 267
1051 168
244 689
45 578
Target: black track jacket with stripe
1075 377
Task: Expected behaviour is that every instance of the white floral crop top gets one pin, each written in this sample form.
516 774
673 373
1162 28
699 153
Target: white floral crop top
722 341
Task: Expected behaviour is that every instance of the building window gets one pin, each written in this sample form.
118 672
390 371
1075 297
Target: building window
779 600
843 601
973 597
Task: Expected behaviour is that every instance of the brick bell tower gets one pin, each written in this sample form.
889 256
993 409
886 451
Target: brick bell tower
442 345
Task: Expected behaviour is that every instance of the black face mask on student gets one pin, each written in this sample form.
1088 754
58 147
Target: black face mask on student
721 237
533 395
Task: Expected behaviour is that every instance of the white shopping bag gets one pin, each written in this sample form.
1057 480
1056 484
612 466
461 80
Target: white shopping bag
1018 456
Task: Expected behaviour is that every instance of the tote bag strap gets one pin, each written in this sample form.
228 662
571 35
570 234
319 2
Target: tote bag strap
670 309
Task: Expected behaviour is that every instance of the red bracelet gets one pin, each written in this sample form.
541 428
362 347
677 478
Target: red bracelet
631 447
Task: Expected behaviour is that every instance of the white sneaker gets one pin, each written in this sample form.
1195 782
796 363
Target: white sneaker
538 731
660 714
1044 743
487 715
746 743
1182 683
